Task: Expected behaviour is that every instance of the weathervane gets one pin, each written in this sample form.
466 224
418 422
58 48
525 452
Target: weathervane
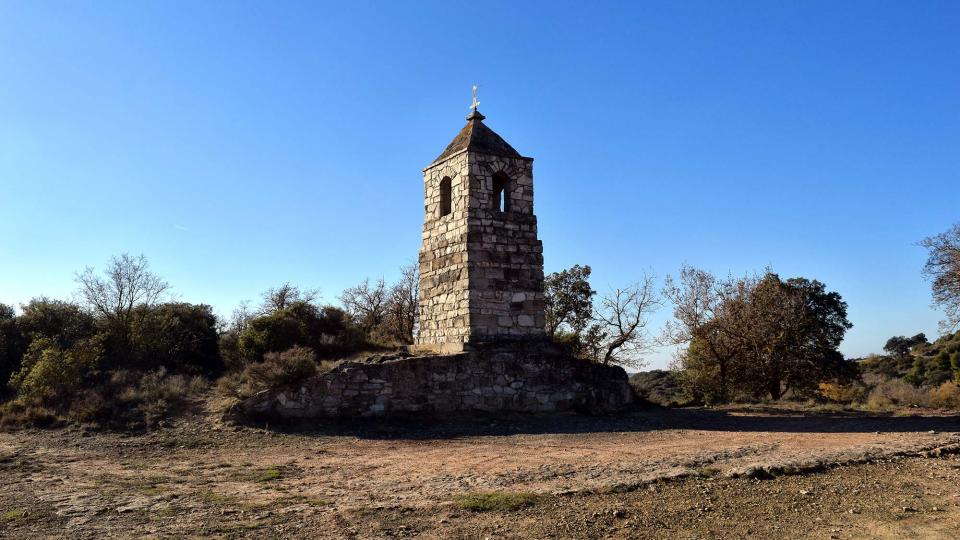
475 102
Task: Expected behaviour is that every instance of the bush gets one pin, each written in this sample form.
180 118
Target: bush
50 374
179 337
897 392
328 331
157 394
230 354
19 413
64 323
843 393
12 346
281 369
946 396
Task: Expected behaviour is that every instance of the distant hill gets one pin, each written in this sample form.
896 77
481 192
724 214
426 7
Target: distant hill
660 387
927 364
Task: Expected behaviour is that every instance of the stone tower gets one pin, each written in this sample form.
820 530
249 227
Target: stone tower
481 264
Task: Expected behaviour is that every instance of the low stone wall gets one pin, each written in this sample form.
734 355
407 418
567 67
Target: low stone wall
489 381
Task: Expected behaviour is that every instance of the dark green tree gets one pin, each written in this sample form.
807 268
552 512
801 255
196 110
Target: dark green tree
12 346
568 300
178 336
757 337
64 323
328 330
900 346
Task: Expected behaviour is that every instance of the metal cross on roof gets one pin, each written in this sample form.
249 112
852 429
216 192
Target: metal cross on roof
475 102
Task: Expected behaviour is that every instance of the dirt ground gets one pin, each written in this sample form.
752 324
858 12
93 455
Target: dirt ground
685 473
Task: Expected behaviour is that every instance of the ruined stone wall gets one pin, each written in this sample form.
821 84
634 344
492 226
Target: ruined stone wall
481 269
492 381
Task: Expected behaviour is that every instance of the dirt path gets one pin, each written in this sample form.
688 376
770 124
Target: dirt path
202 478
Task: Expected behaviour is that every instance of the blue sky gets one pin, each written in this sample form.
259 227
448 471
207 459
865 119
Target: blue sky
243 144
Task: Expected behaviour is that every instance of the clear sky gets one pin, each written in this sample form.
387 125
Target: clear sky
243 144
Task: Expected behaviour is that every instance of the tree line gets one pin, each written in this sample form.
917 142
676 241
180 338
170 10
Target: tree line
748 337
755 336
127 352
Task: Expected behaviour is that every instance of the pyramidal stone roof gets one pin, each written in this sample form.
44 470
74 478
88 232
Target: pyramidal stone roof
477 137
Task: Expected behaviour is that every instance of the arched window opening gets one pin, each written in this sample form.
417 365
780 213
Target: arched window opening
445 196
501 192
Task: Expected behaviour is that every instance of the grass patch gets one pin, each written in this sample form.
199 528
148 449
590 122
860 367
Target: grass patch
708 471
151 490
498 501
268 475
300 499
209 496
261 474
13 515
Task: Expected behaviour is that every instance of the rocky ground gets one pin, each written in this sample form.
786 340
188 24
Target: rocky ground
686 473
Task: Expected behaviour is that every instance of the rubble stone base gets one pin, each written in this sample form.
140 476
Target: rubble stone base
512 378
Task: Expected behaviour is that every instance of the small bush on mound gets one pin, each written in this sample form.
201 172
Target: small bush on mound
326 330
18 413
156 394
276 370
499 501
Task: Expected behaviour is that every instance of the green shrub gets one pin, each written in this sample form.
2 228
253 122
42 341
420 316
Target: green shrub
180 337
50 374
230 354
12 346
64 323
328 331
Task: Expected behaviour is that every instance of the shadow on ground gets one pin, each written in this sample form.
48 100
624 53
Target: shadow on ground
743 419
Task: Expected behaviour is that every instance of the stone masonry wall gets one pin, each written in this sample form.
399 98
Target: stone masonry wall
444 302
504 255
481 269
491 381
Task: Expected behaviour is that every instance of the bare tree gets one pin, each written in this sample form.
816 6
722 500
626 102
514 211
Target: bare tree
283 296
367 304
241 317
403 308
621 323
127 284
943 269
700 303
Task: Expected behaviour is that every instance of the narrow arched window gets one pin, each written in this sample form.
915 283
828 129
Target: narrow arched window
501 192
445 196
